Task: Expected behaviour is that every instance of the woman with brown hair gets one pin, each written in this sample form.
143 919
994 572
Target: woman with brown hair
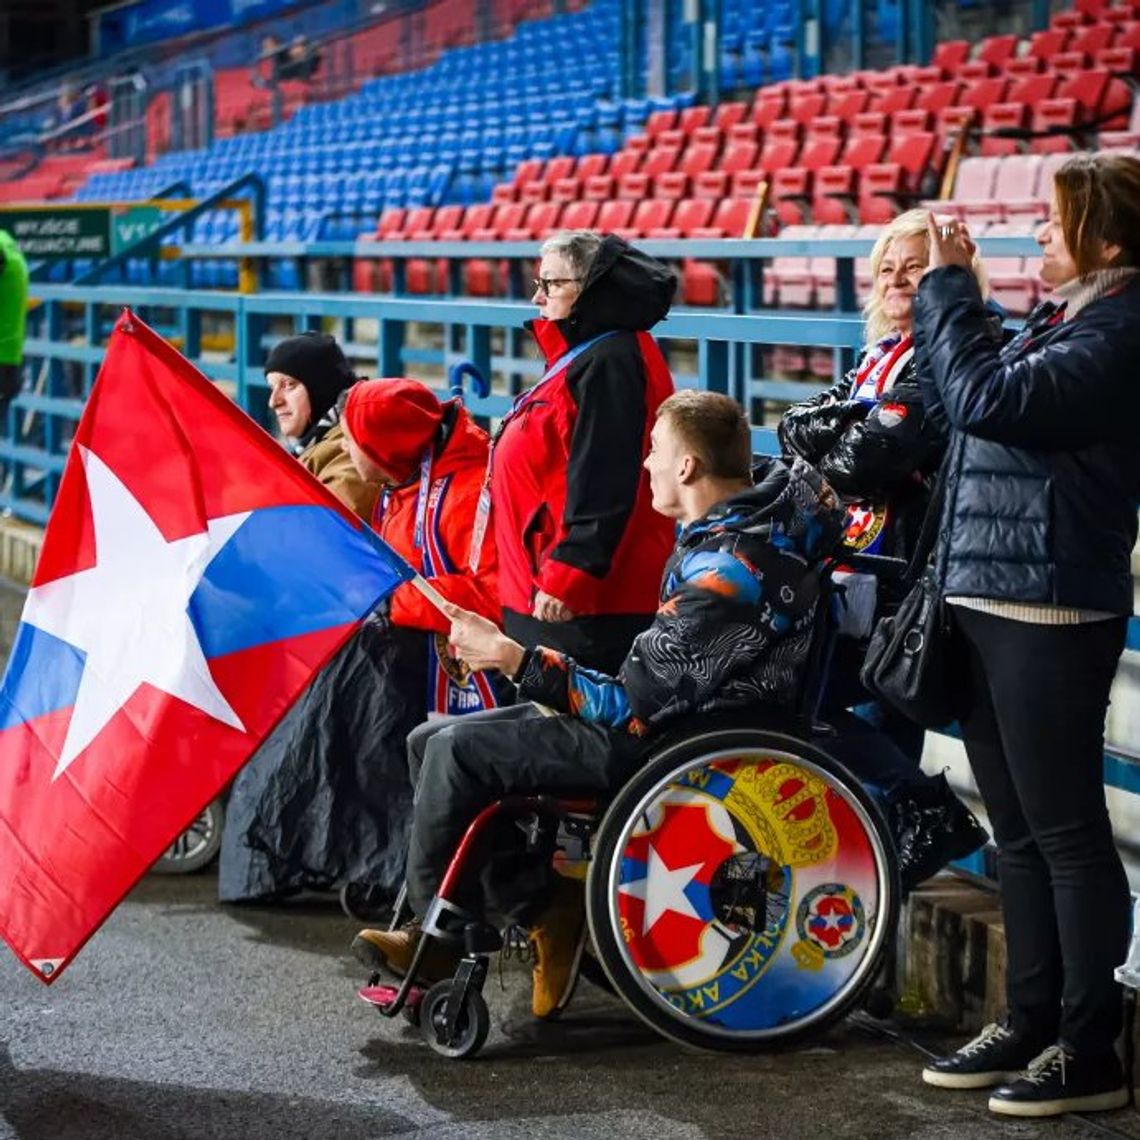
1043 482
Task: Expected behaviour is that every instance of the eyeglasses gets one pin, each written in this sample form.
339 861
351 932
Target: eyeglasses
546 285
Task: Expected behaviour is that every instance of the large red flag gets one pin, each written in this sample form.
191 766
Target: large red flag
193 579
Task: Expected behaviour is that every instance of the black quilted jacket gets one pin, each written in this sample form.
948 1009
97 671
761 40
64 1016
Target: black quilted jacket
735 621
1043 467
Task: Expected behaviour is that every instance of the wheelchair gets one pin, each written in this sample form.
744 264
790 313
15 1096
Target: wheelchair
741 890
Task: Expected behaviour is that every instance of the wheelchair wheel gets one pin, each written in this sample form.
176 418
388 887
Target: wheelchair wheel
743 890
474 1022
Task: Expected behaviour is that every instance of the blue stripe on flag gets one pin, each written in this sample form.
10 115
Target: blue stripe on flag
42 676
289 571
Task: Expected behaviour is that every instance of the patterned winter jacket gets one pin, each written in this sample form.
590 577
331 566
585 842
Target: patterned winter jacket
735 620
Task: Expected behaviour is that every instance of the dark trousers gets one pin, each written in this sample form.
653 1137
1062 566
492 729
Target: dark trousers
875 742
1034 734
459 765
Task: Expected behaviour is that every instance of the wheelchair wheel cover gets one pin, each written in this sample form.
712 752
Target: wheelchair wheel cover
679 859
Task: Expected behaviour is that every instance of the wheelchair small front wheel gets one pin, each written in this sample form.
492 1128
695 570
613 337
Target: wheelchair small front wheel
743 890
472 1024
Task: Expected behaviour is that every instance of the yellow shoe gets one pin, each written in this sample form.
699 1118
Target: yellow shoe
393 950
558 938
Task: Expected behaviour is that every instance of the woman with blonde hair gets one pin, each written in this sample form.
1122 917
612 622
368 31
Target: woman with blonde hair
1034 563
871 439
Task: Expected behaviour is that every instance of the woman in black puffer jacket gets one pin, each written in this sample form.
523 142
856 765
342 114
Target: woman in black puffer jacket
1043 483
871 439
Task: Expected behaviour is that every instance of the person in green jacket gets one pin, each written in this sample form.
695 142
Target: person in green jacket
13 315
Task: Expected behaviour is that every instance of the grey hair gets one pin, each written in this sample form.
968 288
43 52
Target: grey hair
578 247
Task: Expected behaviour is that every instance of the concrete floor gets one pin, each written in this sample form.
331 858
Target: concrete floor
182 1019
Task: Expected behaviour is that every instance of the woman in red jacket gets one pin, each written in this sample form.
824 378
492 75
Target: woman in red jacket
580 547
326 801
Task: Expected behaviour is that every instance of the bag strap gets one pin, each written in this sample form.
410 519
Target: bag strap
928 532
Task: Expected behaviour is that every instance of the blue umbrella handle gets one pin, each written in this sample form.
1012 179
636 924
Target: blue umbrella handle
480 385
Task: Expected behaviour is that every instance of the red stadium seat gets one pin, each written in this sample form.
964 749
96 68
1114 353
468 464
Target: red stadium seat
1003 116
650 214
590 165
1031 89
698 158
599 188
624 162
505 192
1120 62
976 69
743 132
675 138
615 214
531 192
391 222
998 50
712 184
739 156
674 186
907 122
767 108
950 55
791 195
781 145
660 121
661 160
729 220
560 166
981 93
580 215
707 136
746 183
819 150
1045 45
845 105
639 144
895 100
833 200
528 171
1026 65
938 96
862 150
690 214
1068 62
566 190
728 115
869 123
803 108
694 117
1094 38
474 218
541 220
1060 117
954 121
635 186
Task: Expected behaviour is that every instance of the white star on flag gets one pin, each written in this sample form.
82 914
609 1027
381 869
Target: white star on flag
662 889
128 613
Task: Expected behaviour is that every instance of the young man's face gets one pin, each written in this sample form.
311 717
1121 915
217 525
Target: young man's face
289 402
368 470
669 465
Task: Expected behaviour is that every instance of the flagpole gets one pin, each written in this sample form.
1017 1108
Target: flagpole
431 593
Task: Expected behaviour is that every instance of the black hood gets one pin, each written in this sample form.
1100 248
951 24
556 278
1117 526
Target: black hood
624 289
790 503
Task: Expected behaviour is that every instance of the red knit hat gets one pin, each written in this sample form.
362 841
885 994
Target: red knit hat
394 422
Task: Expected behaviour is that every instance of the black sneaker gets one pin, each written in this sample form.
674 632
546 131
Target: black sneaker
1060 1081
932 827
995 1056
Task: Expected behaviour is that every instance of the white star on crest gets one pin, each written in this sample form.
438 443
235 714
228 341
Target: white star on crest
662 889
128 613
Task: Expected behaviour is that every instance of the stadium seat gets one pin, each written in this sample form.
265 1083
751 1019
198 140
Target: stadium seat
1000 117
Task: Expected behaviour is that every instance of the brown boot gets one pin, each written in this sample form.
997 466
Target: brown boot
558 938
393 950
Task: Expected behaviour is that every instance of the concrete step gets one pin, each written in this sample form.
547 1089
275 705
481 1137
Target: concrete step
951 966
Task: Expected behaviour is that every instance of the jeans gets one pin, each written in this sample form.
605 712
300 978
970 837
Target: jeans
459 765
1034 735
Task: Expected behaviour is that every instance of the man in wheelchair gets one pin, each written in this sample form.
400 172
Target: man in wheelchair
733 629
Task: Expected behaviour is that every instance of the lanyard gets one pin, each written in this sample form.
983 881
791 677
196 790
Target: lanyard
421 500
483 510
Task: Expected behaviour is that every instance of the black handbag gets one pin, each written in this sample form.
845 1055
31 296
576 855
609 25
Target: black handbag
910 659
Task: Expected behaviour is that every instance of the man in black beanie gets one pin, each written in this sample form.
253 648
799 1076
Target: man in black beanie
306 375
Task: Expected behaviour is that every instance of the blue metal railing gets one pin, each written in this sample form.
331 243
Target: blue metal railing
227 335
